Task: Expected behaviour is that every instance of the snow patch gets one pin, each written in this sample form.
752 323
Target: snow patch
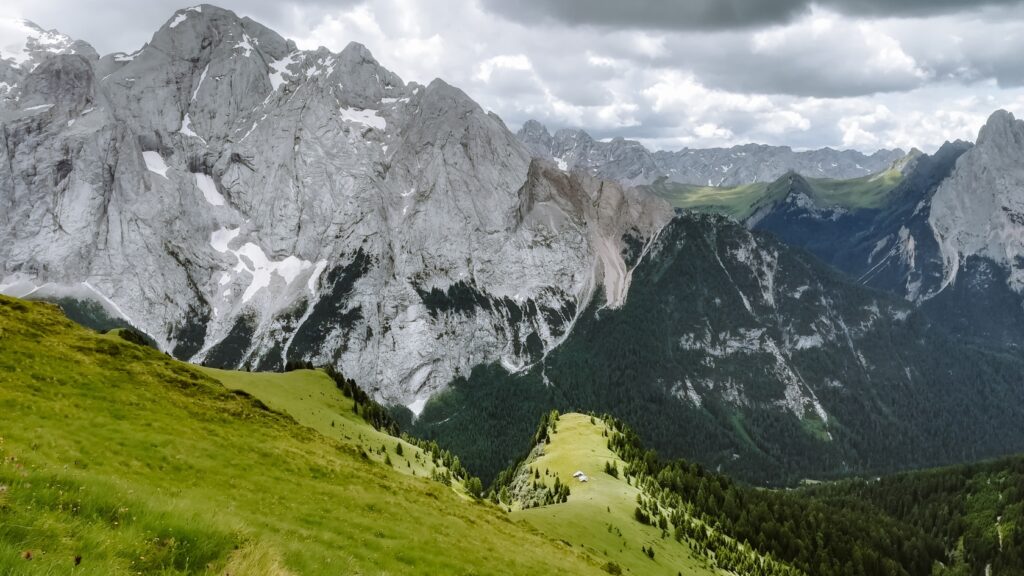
208 187
367 117
252 259
262 269
200 84
122 57
220 239
315 276
417 406
178 19
20 38
280 68
186 129
245 45
155 163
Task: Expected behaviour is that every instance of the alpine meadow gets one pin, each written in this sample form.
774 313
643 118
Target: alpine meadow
478 287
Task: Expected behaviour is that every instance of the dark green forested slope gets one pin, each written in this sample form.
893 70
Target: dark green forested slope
961 520
738 352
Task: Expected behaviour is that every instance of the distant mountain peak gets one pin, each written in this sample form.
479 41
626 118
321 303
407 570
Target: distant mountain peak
24 43
628 161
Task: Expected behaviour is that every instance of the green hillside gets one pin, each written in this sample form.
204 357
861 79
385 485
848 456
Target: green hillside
314 400
739 202
599 515
955 521
116 459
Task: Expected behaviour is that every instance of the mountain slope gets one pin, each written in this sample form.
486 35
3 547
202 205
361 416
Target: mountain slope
599 513
249 204
630 162
751 201
946 238
121 460
739 352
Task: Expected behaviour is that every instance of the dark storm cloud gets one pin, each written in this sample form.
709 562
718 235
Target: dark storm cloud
713 14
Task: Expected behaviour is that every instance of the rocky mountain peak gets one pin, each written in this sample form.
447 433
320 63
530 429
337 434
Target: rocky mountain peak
979 209
536 137
628 161
25 45
249 204
1002 133
198 32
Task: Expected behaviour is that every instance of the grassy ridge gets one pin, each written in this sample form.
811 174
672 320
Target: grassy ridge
739 202
599 514
115 459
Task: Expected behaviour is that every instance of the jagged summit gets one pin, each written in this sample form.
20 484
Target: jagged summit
1002 132
979 210
23 43
248 204
630 162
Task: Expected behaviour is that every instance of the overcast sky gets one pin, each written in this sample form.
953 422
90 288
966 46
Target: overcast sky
858 74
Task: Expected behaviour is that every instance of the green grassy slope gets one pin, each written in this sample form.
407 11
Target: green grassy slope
599 513
313 400
124 461
736 202
739 202
864 192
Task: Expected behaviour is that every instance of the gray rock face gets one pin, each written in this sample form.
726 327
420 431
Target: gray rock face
629 162
249 204
979 209
26 46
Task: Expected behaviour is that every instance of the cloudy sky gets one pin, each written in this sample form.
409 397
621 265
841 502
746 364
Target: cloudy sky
858 74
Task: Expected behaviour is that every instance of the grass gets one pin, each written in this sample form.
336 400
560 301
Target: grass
116 459
312 398
736 202
865 192
599 514
739 202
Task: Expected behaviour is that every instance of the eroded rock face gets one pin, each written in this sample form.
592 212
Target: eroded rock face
979 209
249 204
630 162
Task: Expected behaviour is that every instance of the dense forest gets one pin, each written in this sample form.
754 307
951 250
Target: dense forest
909 395
953 521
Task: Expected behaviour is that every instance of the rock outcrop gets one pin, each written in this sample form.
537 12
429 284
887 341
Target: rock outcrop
248 204
979 209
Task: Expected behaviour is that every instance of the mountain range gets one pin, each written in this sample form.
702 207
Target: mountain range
628 161
250 205
245 203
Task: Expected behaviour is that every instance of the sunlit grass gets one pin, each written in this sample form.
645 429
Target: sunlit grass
133 463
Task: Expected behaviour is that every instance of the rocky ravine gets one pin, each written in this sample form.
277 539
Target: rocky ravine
248 204
630 162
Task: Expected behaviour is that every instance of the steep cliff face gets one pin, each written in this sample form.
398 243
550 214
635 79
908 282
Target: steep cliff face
630 162
744 353
949 237
250 204
979 210
889 246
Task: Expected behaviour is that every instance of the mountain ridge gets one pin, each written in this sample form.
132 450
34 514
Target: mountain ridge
232 196
630 162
